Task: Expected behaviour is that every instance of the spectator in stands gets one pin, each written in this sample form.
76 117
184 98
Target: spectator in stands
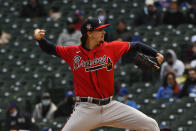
33 10
4 37
65 108
121 33
189 88
173 16
17 119
123 97
69 36
44 109
191 52
78 19
148 16
172 64
191 14
170 87
101 15
54 13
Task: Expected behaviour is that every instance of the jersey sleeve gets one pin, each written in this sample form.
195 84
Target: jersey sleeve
120 48
64 52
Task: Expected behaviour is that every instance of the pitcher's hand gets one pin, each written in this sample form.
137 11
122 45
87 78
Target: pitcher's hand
39 34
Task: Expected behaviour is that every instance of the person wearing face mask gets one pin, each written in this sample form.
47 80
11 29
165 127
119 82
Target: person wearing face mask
170 87
44 109
101 15
123 97
173 16
69 36
189 88
172 64
148 16
17 119
65 107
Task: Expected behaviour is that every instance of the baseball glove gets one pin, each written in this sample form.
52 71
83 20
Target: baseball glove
145 62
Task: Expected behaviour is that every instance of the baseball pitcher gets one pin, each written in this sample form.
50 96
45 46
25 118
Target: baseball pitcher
92 64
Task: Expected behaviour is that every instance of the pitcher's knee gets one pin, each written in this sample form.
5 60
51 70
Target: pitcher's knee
152 125
148 124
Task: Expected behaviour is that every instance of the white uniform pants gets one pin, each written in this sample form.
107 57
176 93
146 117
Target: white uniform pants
87 116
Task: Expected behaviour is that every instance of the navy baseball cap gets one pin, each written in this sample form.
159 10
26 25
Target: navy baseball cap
92 25
123 91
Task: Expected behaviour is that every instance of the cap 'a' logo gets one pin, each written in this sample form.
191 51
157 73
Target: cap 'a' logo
88 27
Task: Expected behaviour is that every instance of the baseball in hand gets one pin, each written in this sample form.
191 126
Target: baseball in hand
39 34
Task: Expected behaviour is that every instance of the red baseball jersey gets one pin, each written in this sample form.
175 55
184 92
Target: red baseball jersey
93 71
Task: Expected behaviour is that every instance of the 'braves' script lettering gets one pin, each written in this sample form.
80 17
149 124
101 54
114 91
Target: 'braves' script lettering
96 63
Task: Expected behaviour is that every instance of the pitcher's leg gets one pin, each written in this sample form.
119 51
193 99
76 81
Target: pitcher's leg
84 118
123 116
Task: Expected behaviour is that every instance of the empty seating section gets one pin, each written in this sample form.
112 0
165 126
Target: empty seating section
26 71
